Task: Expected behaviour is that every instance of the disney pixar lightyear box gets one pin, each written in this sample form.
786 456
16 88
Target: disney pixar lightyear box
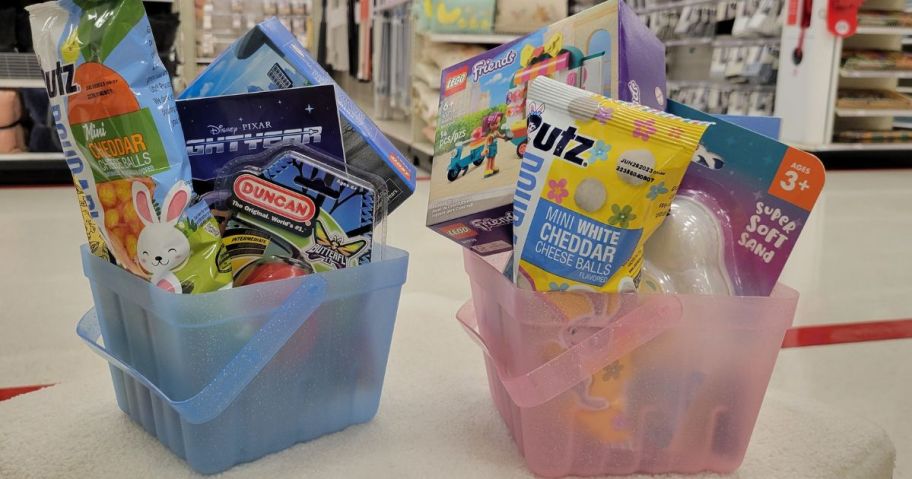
269 57
481 131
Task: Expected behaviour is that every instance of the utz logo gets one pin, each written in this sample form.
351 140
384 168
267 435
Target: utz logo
61 80
458 231
273 198
455 81
565 144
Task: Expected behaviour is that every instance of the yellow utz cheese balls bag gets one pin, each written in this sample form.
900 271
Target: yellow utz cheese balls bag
597 179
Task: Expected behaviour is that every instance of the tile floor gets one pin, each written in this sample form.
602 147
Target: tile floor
852 264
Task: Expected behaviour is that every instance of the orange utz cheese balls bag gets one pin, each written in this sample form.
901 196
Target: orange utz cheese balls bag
114 110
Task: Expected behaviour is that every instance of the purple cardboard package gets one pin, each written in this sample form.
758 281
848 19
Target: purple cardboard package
481 131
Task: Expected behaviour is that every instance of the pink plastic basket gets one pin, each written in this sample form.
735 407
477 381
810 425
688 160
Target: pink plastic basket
592 384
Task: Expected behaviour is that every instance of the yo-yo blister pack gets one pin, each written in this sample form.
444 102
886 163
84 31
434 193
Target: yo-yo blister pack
294 207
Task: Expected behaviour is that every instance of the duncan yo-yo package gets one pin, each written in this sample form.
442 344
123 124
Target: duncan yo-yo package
113 105
296 205
597 180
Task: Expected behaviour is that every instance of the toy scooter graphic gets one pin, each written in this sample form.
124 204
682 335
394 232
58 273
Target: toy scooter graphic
482 146
459 164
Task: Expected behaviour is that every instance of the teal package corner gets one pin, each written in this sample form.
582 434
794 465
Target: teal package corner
765 125
269 57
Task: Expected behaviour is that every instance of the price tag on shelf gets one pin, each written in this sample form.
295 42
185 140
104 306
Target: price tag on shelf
799 180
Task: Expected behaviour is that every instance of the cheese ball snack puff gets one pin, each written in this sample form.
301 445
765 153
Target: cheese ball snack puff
113 107
597 179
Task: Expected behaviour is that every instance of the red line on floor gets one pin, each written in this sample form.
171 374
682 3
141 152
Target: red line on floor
9 393
423 178
823 334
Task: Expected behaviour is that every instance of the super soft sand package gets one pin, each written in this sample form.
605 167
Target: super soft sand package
113 105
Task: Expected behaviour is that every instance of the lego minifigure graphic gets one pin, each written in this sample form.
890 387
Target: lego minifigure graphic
491 128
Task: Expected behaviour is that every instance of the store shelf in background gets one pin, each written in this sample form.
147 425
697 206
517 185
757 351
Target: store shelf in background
904 89
480 38
855 147
20 70
845 73
721 41
872 30
673 84
672 6
688 42
424 147
729 41
872 112
905 125
400 130
387 4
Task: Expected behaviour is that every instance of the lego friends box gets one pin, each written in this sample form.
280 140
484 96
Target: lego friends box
481 132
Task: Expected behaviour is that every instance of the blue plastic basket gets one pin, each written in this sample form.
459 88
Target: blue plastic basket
227 377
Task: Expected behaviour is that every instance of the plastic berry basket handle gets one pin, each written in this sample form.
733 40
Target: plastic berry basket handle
242 369
622 336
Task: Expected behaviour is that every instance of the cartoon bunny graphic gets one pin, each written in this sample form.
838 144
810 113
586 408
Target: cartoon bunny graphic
602 404
535 116
707 158
161 247
574 332
585 314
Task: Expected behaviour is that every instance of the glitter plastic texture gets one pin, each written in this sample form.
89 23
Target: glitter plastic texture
697 368
230 376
